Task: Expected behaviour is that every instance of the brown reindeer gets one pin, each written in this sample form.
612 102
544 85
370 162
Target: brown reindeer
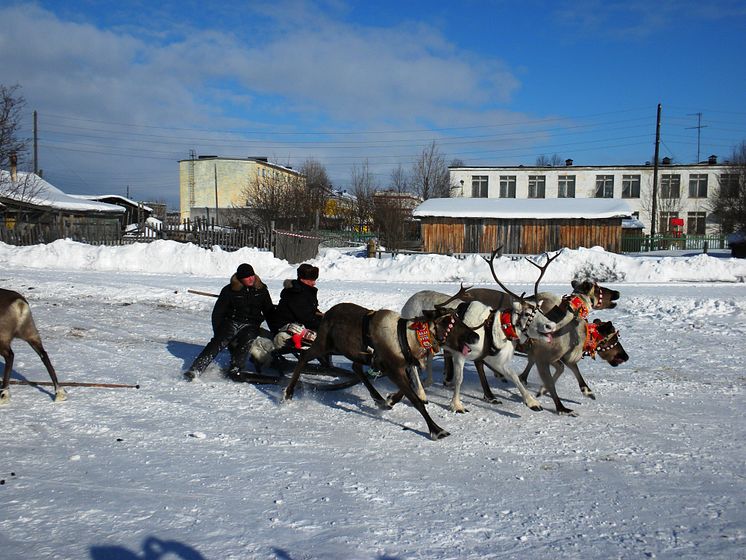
16 322
389 343
578 338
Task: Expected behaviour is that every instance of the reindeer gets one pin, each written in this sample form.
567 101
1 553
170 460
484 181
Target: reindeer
390 343
16 322
578 338
586 296
500 329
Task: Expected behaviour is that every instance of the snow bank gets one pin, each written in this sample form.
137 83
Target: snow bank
169 257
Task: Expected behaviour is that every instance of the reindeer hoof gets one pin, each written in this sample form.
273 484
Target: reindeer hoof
439 435
460 410
567 412
60 395
287 396
5 396
536 408
385 404
493 400
588 393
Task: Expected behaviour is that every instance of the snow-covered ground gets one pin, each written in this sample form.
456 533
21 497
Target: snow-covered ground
654 468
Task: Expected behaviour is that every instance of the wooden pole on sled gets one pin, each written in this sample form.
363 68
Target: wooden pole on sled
202 293
73 384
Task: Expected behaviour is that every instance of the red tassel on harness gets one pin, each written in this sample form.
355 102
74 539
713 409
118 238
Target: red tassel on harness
422 330
507 325
578 306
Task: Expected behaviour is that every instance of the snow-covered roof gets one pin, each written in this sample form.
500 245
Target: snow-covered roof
544 208
632 223
99 197
41 193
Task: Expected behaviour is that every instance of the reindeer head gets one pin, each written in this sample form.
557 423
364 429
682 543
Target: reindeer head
530 322
601 298
450 331
609 347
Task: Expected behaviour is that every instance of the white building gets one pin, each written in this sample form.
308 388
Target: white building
684 191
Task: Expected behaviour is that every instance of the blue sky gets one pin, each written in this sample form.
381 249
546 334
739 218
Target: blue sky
124 90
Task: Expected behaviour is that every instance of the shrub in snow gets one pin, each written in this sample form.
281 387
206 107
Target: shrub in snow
599 272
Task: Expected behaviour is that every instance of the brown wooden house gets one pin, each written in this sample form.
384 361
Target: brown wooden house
32 205
478 225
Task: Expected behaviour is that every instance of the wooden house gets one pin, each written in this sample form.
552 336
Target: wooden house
478 225
31 203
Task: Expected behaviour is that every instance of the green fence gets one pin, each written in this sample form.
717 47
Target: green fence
644 243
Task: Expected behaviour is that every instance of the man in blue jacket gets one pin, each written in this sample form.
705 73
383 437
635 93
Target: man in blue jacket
241 308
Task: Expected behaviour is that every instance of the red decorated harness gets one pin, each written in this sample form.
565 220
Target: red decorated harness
596 342
578 305
507 326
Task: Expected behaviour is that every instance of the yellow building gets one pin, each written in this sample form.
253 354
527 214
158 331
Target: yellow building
209 184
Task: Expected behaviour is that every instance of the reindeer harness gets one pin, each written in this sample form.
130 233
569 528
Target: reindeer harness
577 304
427 338
596 342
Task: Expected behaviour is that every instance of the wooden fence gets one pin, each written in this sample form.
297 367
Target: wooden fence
645 243
199 232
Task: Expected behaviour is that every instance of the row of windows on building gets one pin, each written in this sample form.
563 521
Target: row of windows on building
670 185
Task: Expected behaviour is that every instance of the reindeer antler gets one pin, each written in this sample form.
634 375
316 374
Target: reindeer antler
491 262
462 295
543 269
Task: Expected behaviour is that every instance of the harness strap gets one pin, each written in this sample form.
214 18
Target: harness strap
489 346
401 333
461 309
367 340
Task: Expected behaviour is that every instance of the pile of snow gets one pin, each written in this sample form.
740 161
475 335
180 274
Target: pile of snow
170 257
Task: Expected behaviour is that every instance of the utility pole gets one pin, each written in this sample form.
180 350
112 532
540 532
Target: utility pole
217 221
36 146
699 127
654 210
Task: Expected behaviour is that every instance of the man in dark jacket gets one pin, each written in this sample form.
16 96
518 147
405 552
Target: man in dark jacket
238 313
299 305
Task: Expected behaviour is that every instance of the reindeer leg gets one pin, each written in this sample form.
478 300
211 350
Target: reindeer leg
379 400
305 357
59 392
5 390
488 394
447 370
558 369
458 379
548 381
414 378
584 388
400 378
524 376
429 367
501 363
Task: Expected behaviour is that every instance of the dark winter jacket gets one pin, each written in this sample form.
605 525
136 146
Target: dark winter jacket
298 304
236 302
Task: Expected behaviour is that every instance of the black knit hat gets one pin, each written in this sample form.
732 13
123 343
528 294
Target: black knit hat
244 271
308 272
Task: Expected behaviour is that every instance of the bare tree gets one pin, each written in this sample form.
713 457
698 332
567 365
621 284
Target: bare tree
363 186
392 210
399 181
729 203
18 189
271 198
312 197
668 202
12 104
430 177
549 161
